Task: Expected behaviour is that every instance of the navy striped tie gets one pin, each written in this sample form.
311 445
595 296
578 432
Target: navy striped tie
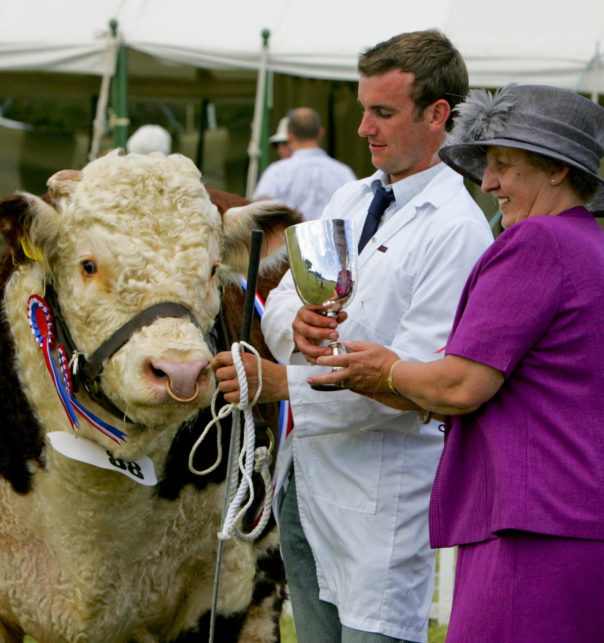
381 200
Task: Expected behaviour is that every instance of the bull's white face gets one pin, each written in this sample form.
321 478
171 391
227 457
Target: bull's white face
133 232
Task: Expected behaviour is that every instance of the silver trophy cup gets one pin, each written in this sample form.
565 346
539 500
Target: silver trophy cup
323 262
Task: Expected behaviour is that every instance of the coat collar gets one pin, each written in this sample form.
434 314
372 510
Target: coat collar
441 187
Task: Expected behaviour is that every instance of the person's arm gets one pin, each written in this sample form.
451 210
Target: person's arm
449 386
508 308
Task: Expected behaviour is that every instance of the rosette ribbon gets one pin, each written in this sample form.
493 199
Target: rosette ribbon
42 326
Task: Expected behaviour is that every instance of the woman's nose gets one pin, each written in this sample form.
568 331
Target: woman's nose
489 180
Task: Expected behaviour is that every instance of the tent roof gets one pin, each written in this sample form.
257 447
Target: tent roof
520 40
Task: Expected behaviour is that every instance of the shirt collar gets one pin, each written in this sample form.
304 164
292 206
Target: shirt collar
409 187
309 151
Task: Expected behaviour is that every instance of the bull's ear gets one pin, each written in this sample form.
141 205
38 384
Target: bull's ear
27 223
63 183
270 217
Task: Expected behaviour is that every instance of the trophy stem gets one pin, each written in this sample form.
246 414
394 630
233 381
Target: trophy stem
337 348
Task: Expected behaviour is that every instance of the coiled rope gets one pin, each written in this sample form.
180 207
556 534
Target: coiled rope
250 458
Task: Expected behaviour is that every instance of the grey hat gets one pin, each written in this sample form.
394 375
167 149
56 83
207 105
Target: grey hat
556 123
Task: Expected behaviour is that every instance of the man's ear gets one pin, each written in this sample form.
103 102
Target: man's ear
437 113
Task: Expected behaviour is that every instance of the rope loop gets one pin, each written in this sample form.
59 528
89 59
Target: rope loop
250 459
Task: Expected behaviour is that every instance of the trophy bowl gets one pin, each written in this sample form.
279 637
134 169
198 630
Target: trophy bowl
323 263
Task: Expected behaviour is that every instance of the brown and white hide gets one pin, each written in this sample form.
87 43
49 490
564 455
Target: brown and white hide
87 554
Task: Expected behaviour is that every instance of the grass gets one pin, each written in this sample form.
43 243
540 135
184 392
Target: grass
436 633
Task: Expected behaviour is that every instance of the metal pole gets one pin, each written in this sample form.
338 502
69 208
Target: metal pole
248 311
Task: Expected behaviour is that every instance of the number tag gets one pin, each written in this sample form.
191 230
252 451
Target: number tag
83 450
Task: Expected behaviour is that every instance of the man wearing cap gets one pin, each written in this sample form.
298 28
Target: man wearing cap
354 514
308 178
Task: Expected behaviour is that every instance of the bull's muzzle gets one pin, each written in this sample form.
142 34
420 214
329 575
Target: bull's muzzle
179 378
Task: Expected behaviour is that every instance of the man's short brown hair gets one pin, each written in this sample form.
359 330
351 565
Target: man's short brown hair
438 68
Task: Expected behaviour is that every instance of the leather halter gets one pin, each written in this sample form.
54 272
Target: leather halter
87 371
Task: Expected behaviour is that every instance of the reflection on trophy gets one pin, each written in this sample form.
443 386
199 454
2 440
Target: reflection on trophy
322 258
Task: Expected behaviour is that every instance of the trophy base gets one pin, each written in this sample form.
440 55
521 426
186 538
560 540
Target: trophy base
328 387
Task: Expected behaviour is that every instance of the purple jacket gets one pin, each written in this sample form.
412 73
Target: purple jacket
532 457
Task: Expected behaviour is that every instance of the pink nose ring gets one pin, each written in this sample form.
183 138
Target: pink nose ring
184 400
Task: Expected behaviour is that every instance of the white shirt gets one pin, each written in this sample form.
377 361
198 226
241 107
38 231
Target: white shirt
305 181
363 470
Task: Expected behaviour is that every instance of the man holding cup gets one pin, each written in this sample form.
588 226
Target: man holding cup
353 500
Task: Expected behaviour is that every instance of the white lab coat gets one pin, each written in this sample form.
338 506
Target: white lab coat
363 470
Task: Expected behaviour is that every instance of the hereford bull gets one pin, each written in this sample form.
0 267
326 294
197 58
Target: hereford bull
92 547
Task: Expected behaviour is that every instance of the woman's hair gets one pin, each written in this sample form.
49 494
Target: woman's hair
582 184
438 68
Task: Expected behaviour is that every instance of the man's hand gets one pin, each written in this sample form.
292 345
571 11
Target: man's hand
311 327
274 378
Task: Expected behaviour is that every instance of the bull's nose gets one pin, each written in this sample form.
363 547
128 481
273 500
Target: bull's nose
180 379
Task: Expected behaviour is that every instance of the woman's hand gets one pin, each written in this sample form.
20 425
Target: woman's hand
364 369
274 378
452 385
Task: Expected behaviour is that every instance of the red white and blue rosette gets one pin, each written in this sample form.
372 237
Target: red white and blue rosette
42 326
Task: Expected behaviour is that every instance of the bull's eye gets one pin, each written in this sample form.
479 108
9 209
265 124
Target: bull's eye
89 267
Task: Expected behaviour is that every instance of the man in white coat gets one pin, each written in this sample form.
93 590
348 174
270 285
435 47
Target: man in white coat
354 516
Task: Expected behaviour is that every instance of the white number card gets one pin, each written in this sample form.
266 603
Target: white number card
76 448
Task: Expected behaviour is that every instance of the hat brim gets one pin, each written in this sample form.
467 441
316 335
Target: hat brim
470 160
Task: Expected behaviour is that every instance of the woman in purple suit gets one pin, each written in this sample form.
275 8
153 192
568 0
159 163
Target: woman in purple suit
520 485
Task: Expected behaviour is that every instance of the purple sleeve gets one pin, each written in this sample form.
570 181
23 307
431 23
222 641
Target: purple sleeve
510 299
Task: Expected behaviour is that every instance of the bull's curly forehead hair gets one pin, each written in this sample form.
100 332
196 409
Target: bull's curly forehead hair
438 67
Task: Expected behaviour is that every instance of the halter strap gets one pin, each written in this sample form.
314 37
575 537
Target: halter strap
88 370
92 367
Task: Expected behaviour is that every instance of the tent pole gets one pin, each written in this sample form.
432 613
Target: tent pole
258 147
98 124
119 95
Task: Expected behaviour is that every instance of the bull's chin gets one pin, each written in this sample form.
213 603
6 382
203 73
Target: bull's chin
160 416
143 415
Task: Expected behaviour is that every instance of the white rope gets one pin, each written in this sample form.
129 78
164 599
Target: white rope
250 459
262 463
224 411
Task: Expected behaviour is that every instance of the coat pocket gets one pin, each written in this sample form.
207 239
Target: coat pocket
345 469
